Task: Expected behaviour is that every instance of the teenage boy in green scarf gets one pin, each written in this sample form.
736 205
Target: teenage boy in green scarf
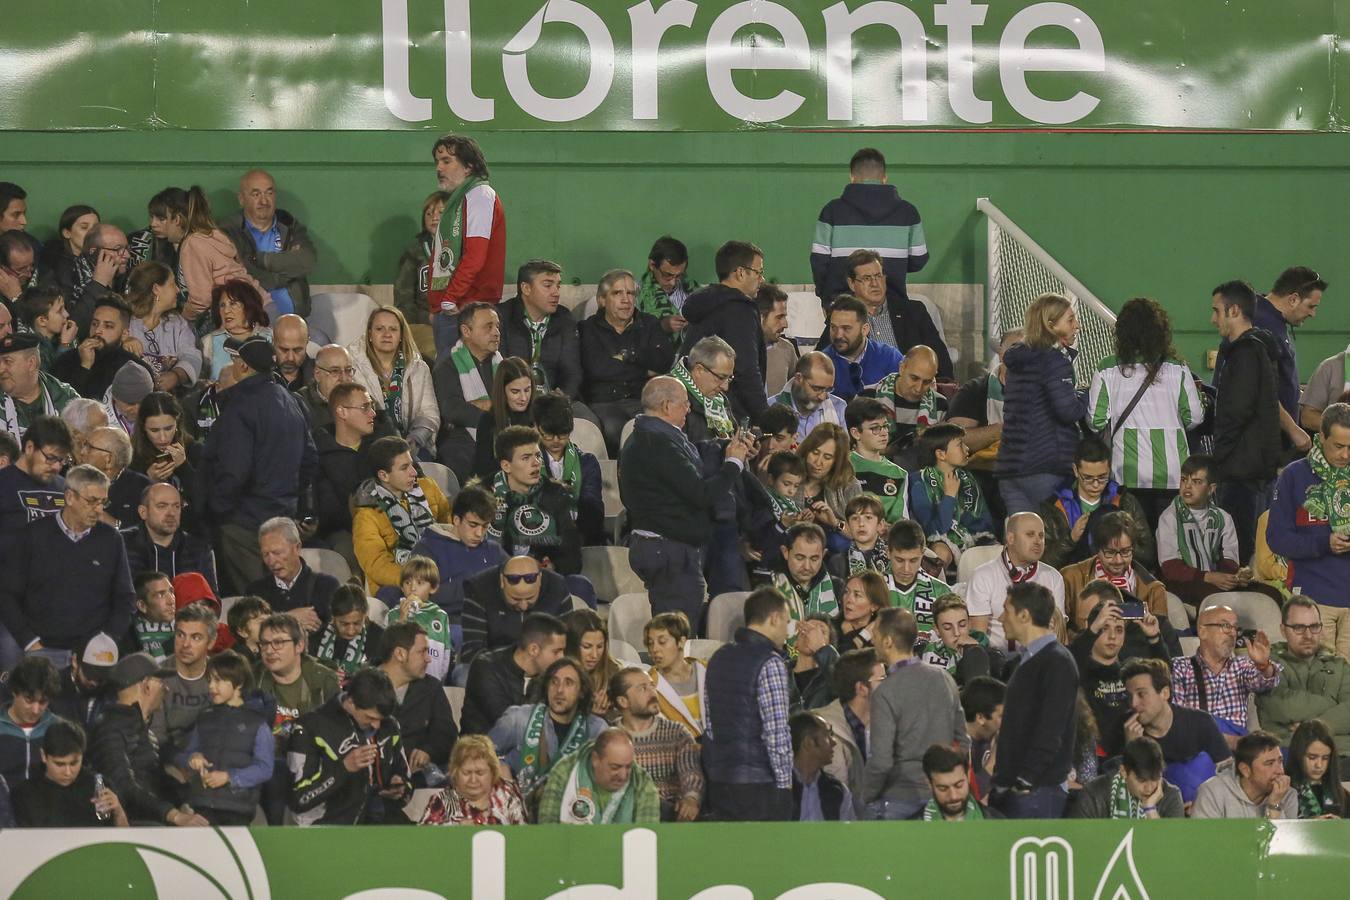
569 465
911 587
1197 542
535 516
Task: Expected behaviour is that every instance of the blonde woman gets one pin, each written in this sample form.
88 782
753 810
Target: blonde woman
389 366
1041 406
678 678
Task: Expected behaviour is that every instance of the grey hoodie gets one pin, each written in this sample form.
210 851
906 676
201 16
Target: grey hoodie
1222 797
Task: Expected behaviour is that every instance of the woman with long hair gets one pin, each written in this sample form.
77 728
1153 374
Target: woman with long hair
588 643
207 258
478 792
61 254
865 596
1142 400
237 312
829 483
1315 772
513 391
389 366
162 447
1041 407
169 345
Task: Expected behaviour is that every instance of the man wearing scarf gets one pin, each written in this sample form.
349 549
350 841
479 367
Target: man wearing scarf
705 374
1137 790
392 510
463 381
665 286
532 737
802 579
600 784
1113 535
1310 525
534 514
469 259
1020 561
26 391
948 777
913 402
569 465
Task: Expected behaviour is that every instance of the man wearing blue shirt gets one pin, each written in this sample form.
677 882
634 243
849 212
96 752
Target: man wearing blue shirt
858 360
273 246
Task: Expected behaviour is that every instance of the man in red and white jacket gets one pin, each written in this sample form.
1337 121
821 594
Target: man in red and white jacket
468 261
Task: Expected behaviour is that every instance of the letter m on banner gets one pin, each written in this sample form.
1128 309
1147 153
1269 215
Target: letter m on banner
1041 869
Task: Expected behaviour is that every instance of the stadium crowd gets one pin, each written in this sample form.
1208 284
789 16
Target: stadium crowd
1008 597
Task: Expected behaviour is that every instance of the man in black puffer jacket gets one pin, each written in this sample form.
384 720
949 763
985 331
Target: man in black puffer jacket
728 310
1246 412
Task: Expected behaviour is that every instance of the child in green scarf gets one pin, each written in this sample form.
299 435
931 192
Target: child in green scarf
946 499
778 509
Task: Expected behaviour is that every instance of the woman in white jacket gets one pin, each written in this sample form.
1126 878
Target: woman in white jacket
1147 436
389 365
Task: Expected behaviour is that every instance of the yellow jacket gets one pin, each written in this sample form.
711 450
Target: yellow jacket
374 539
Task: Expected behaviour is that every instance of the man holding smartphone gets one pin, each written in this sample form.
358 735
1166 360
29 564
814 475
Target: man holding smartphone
1113 536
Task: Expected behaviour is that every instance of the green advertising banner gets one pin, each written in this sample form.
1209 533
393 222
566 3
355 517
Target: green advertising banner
672 65
1062 860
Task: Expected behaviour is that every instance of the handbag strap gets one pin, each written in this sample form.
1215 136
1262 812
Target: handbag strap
1200 682
1129 407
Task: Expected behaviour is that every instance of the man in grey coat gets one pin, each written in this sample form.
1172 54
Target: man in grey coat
917 706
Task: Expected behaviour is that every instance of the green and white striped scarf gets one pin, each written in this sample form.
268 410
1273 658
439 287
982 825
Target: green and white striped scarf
1123 804
571 470
534 760
782 506
874 560
993 400
450 236
520 521
1329 498
470 379
353 658
714 409
1206 551
927 413
819 599
409 521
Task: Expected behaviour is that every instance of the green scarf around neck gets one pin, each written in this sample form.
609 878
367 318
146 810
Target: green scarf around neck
1329 498
581 800
450 236
571 471
409 522
1123 804
520 520
969 502
714 409
931 813
534 759
1207 524
353 658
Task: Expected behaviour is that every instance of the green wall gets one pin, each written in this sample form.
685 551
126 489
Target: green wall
1163 215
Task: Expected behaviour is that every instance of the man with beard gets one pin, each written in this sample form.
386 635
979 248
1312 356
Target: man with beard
99 272
949 780
97 358
159 544
809 394
665 750
185 694
531 737
290 340
858 360
84 685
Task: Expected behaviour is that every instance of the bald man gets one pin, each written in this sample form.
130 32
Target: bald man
100 272
912 398
290 338
332 366
273 246
810 396
497 600
1020 561
159 543
670 500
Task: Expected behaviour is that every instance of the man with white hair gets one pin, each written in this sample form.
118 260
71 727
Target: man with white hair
109 451
669 499
68 579
290 585
82 416
706 373
1020 561
332 366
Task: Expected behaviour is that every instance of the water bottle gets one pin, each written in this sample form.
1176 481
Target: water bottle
100 809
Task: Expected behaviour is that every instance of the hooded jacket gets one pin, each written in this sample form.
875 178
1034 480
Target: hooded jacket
873 215
1247 410
20 751
206 260
456 562
124 751
1041 411
288 268
734 317
374 540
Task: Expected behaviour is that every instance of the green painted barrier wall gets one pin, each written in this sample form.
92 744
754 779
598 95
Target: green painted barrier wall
1163 215
1058 860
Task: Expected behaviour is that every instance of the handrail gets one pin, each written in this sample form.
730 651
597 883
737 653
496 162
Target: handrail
986 206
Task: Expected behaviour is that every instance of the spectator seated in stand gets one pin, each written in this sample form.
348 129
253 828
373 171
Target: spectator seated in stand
393 509
461 549
944 498
419 581
535 513
349 640
1072 511
291 585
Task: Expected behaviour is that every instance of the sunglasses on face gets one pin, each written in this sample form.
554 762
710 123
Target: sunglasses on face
527 577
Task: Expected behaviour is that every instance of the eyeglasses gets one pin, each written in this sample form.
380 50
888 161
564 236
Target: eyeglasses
55 460
527 577
1227 627
278 644
1315 628
100 502
870 279
1094 479
722 379
348 371
364 407
759 273
1122 553
818 388
877 428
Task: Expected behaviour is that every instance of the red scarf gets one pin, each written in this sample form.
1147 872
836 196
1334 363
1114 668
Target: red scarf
1019 574
1124 582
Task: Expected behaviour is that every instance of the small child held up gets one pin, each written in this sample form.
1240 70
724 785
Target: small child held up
350 640
231 749
776 509
864 516
1197 541
243 619
419 578
152 625
944 498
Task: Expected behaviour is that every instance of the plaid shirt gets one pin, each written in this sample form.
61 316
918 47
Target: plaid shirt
1226 693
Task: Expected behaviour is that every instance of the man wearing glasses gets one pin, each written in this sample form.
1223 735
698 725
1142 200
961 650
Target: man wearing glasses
1314 683
809 394
1114 534
32 487
67 577
100 272
332 366
497 601
728 310
1218 681
894 319
1072 511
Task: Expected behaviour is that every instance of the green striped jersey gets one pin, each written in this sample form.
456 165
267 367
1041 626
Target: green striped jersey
1147 449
